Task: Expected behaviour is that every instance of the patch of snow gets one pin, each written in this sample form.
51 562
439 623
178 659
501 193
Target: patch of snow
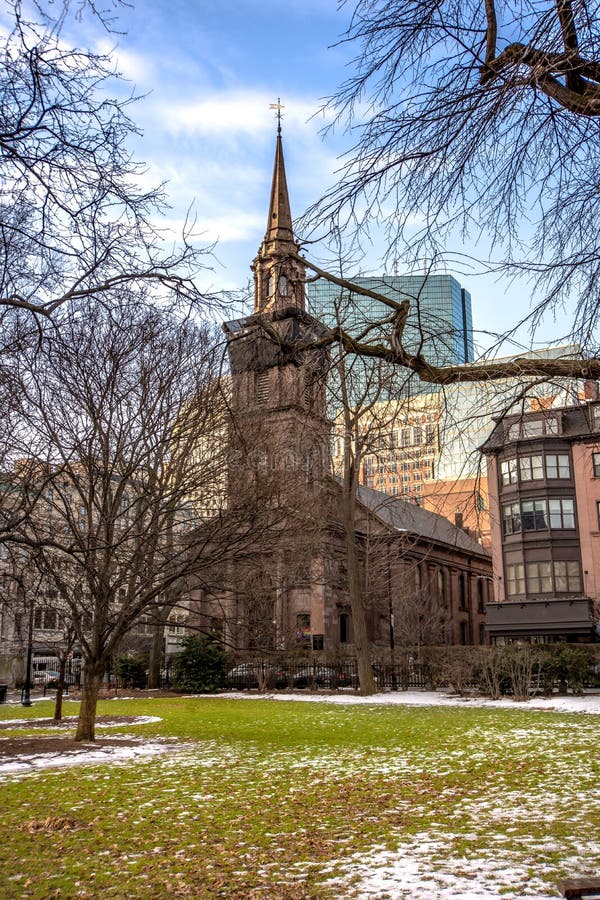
588 703
409 872
137 720
88 755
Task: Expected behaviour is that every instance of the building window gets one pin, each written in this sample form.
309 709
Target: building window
533 428
418 580
511 518
534 516
462 592
558 465
515 579
176 624
262 387
344 628
567 576
441 580
598 512
45 619
596 462
303 628
480 597
562 513
531 468
508 470
539 578
318 641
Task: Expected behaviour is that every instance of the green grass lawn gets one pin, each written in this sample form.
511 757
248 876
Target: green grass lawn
294 800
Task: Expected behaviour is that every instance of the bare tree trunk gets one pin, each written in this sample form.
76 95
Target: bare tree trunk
359 620
156 654
89 699
62 668
362 646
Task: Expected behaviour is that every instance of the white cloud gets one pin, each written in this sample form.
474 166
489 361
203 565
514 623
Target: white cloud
235 112
133 66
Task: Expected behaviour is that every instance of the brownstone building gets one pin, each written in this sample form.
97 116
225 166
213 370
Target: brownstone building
544 482
423 579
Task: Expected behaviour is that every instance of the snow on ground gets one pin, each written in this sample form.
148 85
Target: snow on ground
409 872
88 755
92 755
425 864
66 720
588 703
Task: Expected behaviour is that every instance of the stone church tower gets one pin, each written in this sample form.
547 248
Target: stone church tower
289 588
280 435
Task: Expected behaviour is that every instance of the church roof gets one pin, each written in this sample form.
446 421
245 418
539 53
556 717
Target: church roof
403 516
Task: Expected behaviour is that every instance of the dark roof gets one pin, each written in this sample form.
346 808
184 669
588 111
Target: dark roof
403 516
578 422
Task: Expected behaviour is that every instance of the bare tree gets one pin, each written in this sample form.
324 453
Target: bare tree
75 221
362 392
481 117
113 405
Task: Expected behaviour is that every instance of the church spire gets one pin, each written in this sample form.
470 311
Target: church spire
279 223
278 276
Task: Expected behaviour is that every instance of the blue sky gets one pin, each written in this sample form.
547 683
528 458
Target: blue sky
208 70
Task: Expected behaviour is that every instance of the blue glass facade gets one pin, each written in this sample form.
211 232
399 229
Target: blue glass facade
439 323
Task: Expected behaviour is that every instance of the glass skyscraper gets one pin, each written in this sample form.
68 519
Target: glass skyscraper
439 322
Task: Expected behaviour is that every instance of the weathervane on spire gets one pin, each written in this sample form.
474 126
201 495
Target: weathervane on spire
278 106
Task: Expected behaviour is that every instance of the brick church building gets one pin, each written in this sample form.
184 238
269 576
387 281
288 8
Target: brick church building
422 579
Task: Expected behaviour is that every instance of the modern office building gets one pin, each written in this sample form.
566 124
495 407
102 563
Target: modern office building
439 321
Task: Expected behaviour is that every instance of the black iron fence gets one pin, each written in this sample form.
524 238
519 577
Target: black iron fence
512 669
517 669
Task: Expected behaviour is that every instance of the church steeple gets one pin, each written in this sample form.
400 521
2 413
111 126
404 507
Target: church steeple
278 275
279 223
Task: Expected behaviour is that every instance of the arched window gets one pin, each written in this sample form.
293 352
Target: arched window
344 628
441 582
480 596
462 591
418 580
